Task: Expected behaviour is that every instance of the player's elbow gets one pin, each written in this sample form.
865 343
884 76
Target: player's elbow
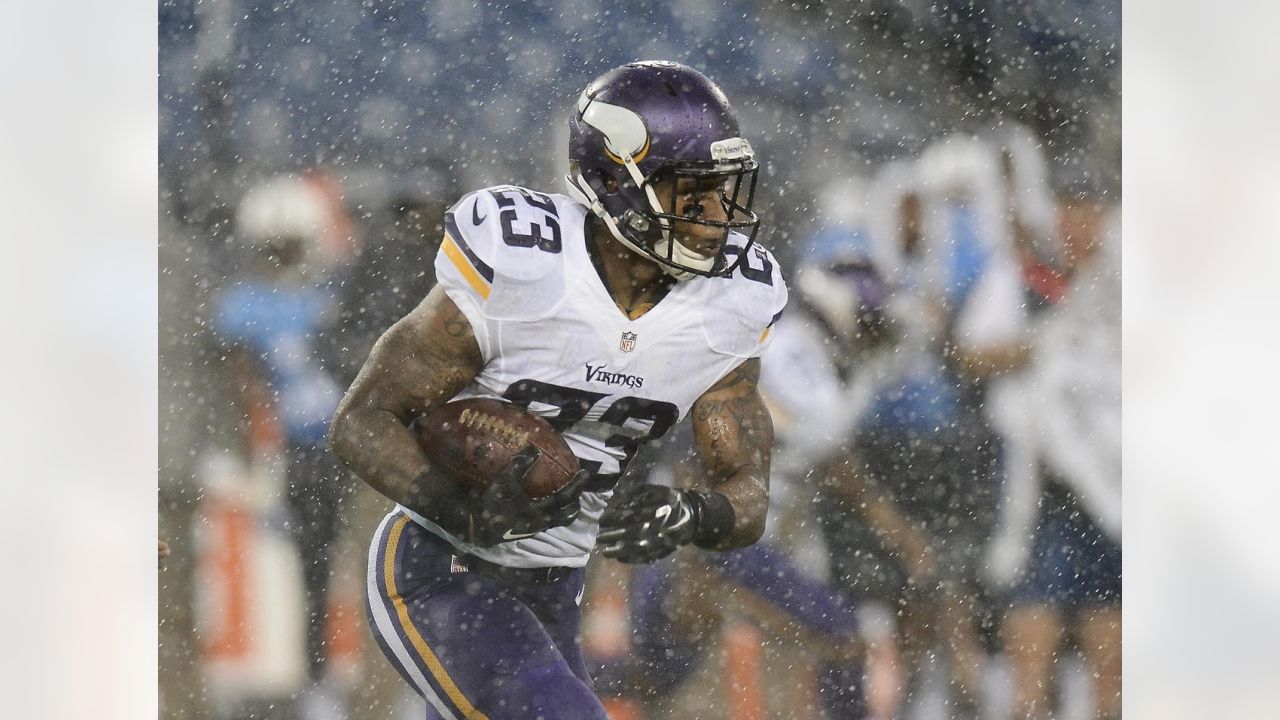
749 522
341 434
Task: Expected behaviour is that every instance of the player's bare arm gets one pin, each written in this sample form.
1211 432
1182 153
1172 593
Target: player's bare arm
733 433
421 362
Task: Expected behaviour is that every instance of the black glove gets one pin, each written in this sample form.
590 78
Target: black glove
505 513
646 522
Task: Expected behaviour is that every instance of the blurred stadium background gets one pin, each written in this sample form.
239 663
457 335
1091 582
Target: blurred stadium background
349 126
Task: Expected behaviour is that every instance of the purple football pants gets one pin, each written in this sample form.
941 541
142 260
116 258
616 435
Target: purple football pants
478 640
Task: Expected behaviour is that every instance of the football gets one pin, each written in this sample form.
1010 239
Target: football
472 440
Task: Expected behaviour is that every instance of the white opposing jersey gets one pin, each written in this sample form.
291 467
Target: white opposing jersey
801 385
815 410
515 263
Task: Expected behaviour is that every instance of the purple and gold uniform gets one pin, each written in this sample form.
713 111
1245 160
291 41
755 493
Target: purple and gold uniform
491 631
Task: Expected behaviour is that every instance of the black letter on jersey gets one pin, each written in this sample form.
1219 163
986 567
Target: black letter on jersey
762 275
507 215
574 404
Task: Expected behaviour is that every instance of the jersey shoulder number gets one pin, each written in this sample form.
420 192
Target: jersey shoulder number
504 246
747 303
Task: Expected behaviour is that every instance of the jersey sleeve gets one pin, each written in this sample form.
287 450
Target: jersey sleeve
748 307
500 259
464 263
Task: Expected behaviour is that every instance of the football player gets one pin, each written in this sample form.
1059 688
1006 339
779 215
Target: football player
614 311
268 324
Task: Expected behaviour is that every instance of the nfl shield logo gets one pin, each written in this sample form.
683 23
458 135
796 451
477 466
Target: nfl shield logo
628 342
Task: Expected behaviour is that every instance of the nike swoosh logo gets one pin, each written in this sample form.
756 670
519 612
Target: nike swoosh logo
578 600
664 514
684 518
508 535
476 218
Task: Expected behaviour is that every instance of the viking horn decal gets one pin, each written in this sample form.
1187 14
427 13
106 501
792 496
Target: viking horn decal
624 131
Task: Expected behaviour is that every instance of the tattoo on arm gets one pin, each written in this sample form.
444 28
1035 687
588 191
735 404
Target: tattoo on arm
455 323
733 433
418 364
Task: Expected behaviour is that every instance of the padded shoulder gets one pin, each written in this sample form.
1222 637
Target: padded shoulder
504 247
746 304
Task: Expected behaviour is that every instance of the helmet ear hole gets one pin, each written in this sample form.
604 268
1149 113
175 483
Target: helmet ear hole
596 177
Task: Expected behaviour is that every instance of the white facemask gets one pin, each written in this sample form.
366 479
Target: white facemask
684 256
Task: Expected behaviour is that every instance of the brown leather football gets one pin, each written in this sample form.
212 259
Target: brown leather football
472 440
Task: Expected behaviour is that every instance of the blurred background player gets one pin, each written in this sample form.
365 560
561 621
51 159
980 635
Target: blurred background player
386 278
271 320
1058 551
846 335
923 441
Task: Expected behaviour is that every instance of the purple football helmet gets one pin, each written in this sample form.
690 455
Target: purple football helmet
646 122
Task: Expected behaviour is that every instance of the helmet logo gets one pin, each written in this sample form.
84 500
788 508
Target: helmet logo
623 130
628 342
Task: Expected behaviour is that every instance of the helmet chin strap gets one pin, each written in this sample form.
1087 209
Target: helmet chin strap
580 190
684 256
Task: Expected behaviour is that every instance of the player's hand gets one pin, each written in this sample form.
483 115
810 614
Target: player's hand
507 514
646 522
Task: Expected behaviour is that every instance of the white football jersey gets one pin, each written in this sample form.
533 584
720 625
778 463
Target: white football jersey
515 263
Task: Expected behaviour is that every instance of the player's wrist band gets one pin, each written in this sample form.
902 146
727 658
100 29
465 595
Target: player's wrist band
713 515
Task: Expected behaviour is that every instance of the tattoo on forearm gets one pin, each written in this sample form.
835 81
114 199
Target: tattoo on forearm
738 431
735 425
734 434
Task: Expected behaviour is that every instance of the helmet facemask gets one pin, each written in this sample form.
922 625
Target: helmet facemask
646 215
683 190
